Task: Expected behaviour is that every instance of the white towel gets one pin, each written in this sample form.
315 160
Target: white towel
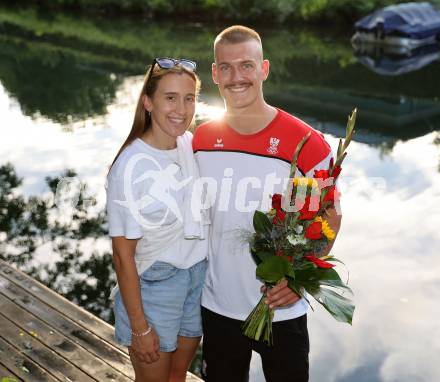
194 216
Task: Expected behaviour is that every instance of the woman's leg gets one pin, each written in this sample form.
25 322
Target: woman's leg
152 372
190 331
182 357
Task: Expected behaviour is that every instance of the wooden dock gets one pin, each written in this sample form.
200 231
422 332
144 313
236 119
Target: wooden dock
44 337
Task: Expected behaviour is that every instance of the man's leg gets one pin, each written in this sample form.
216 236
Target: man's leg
288 358
226 351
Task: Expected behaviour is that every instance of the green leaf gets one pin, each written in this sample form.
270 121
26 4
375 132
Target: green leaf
349 131
262 223
293 219
316 274
260 256
311 286
293 165
334 259
316 282
339 151
290 272
255 257
336 284
340 307
273 269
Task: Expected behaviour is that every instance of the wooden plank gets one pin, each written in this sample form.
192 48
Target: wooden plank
40 354
92 343
60 344
79 326
53 299
22 366
7 375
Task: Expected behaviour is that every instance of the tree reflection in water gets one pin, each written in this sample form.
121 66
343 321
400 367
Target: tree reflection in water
27 224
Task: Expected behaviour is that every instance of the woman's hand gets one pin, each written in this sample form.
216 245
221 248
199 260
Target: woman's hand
146 348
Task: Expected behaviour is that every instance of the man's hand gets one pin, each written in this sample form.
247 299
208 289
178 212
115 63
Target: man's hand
280 295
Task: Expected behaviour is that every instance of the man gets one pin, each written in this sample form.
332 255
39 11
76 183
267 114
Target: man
248 153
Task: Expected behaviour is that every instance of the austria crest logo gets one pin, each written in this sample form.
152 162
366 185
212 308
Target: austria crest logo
273 145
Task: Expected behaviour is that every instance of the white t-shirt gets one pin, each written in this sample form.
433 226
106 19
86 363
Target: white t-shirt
145 193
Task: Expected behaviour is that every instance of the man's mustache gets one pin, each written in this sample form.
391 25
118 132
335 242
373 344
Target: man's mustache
238 84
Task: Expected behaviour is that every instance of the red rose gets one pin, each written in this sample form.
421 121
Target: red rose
314 231
318 262
336 171
309 209
332 195
279 217
323 174
276 201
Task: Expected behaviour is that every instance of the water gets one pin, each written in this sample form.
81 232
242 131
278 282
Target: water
67 93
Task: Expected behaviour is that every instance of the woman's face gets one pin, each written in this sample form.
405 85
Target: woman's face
173 104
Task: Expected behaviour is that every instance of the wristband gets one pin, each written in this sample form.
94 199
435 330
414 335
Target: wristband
148 331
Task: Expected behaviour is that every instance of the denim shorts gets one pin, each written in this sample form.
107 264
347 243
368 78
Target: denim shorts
171 302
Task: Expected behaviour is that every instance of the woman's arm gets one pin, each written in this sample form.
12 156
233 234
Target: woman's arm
128 281
146 348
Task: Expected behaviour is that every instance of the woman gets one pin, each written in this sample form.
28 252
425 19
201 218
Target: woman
158 249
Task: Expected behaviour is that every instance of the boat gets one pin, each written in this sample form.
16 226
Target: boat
403 26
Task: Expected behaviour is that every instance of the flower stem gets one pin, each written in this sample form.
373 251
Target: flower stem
259 322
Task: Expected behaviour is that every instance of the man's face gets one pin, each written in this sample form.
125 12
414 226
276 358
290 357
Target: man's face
239 71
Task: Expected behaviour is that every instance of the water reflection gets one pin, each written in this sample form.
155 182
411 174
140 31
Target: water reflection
53 84
389 63
62 253
92 72
68 70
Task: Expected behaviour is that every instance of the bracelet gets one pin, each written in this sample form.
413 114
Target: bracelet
148 331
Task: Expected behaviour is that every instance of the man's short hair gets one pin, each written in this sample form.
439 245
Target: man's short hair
236 34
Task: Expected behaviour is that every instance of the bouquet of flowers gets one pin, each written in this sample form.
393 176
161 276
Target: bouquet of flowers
289 238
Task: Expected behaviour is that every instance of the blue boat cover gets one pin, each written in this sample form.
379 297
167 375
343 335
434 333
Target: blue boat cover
412 20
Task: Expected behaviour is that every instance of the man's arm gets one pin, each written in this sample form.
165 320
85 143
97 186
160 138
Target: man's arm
334 220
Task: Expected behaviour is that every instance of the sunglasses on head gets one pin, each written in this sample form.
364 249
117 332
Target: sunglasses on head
169 63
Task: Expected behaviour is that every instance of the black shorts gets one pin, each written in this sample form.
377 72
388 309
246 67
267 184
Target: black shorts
227 352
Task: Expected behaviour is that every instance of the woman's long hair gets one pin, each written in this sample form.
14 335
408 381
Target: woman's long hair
142 118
